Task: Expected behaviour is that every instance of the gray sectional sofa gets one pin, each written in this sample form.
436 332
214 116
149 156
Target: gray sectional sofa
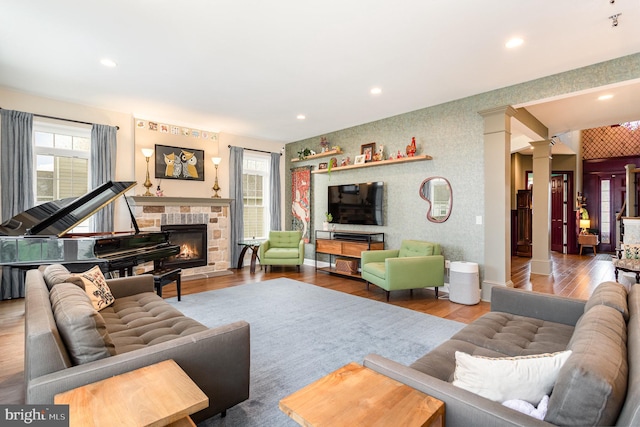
69 344
599 384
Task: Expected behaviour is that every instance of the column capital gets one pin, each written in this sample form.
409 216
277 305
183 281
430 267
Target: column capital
498 120
507 110
542 143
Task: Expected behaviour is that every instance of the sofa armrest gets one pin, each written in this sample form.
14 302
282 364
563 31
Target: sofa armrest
541 306
131 285
217 360
378 256
301 251
462 408
264 247
418 270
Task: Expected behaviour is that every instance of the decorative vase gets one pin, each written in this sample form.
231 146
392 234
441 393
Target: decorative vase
325 226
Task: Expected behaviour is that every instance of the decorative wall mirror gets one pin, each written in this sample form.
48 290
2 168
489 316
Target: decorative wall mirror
437 191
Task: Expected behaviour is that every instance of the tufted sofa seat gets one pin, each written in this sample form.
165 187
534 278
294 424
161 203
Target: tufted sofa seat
496 335
141 320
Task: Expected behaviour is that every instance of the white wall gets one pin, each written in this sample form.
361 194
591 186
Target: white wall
13 100
130 163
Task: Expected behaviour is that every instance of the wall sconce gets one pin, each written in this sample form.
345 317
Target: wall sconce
584 225
216 187
147 153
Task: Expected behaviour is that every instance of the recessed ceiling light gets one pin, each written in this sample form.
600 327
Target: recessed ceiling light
108 62
514 42
301 117
376 91
605 97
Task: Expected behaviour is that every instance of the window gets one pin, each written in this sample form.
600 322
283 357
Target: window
61 155
605 211
255 194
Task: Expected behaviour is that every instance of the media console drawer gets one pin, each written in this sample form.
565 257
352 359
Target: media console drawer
352 249
329 246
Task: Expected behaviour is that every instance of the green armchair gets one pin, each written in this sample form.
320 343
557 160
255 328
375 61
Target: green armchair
282 248
415 265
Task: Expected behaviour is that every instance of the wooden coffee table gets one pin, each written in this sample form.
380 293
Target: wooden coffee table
355 395
155 395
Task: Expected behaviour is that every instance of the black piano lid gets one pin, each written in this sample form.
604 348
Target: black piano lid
58 217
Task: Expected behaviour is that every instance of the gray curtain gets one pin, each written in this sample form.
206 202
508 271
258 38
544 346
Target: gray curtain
274 186
237 202
16 180
103 169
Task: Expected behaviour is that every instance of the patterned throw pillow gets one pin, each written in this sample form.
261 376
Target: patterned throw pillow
96 287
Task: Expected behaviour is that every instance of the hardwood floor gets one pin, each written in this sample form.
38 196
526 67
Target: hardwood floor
573 275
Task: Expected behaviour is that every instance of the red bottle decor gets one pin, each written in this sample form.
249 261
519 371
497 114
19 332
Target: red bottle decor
411 148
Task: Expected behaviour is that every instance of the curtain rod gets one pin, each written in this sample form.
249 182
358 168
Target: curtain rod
66 120
253 149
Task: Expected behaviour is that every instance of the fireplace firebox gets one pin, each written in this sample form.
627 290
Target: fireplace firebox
192 239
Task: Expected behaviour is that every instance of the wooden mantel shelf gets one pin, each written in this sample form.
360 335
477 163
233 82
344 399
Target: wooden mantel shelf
178 201
378 163
317 156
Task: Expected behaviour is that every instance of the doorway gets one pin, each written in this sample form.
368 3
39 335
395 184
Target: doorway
563 240
604 185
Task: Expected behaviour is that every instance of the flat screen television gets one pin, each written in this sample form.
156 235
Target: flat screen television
356 203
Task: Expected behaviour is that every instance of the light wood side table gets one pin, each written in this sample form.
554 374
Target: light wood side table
588 240
355 395
155 395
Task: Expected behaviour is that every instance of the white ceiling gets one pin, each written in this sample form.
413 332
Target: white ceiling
578 111
248 67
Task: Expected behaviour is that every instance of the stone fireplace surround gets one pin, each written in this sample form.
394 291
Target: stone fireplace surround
153 212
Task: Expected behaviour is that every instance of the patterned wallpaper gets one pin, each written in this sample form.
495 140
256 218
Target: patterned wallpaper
453 134
611 141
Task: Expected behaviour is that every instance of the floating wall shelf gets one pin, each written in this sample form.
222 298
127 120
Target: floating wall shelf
378 163
317 156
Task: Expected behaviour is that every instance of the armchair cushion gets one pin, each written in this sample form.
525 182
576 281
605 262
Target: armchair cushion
378 269
284 239
410 248
282 253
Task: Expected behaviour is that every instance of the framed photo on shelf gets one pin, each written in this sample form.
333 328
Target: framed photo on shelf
367 150
360 159
323 165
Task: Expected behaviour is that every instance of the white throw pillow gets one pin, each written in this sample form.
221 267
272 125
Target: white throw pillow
96 287
527 378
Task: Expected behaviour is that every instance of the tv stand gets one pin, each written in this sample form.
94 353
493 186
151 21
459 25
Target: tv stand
345 244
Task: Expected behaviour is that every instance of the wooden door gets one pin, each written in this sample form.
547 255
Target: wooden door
524 227
557 213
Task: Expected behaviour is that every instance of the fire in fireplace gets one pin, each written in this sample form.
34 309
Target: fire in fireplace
192 239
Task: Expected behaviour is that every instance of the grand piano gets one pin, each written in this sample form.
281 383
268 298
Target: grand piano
40 235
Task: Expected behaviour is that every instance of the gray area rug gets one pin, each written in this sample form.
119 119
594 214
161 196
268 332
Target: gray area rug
301 332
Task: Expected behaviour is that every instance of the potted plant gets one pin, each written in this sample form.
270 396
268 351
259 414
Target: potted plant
327 219
302 154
